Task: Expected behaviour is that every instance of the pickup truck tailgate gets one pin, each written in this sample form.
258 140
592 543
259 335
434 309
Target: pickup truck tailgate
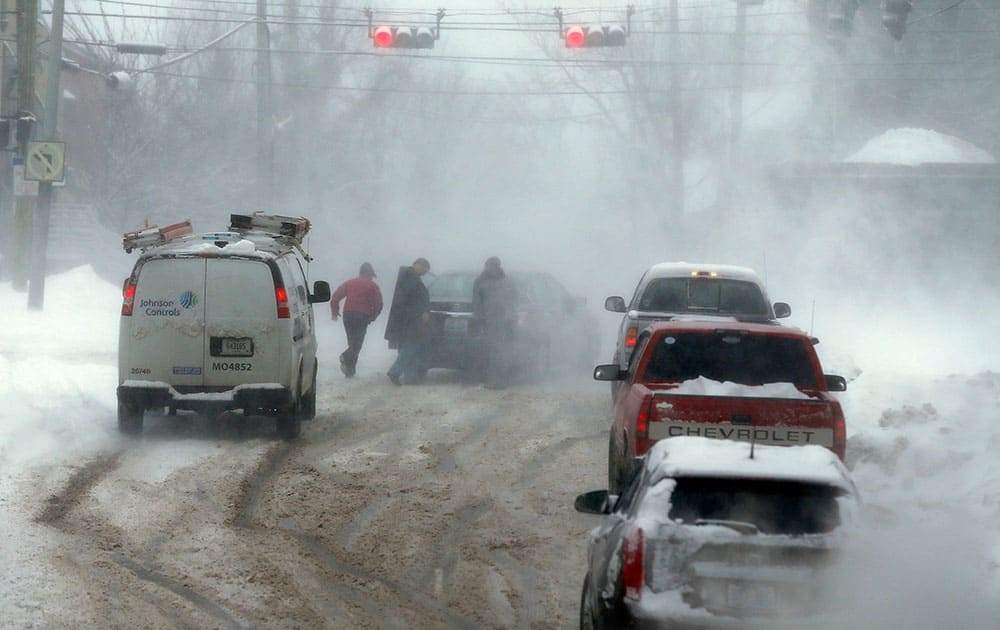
763 420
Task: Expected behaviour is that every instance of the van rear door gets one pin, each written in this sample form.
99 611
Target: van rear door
168 322
242 344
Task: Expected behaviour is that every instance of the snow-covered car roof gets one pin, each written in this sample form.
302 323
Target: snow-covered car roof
724 459
685 269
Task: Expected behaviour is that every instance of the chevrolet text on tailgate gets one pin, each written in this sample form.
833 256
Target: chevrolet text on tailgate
747 382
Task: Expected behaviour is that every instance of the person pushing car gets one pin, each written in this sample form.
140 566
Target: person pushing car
362 305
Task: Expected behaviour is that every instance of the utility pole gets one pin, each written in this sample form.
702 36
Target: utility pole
736 96
27 12
677 137
728 192
265 126
49 131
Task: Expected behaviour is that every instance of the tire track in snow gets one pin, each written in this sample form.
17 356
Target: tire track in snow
244 514
79 485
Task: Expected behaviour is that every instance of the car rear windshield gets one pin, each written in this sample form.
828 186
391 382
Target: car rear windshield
703 295
452 287
731 356
774 507
457 287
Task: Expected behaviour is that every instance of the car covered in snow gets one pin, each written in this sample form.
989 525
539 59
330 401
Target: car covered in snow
684 290
219 321
718 534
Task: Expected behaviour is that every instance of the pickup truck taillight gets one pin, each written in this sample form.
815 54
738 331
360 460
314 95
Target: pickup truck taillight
840 438
645 415
630 337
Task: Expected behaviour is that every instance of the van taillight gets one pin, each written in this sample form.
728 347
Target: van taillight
127 302
633 574
281 296
630 336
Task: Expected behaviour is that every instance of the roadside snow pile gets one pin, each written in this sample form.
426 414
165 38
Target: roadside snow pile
58 368
80 316
913 147
923 451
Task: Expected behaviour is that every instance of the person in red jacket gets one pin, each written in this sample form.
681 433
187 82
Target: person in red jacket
362 306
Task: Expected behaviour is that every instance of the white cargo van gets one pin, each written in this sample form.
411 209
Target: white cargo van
219 321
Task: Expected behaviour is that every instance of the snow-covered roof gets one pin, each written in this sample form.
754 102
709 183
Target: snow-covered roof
247 244
704 457
912 147
684 269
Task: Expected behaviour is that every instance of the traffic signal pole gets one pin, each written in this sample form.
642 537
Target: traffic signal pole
49 131
728 192
27 10
265 127
677 145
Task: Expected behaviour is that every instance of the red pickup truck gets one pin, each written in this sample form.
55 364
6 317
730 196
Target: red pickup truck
747 382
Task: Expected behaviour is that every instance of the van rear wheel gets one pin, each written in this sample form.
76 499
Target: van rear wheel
290 418
130 419
308 406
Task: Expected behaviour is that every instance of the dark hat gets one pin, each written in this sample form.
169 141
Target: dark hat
367 270
492 262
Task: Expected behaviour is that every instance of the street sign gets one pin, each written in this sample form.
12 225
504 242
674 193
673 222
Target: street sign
45 161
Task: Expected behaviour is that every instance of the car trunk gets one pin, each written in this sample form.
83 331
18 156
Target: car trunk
747 547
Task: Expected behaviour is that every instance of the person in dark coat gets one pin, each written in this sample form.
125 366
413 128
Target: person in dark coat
407 327
494 301
362 305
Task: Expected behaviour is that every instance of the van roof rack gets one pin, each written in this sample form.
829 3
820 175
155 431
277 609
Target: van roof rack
153 235
292 227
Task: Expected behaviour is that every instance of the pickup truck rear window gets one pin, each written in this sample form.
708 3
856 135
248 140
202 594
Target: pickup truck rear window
703 295
733 357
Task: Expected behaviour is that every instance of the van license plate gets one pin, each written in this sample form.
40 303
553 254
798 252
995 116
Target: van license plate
232 347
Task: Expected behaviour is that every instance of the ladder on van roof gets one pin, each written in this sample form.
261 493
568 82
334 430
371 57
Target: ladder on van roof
292 227
154 235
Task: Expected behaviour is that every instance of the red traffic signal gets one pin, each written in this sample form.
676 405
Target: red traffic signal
593 35
383 37
403 37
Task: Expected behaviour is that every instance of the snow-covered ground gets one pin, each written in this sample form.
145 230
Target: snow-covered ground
923 448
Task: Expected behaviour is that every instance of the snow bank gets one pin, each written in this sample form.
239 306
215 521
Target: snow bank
912 147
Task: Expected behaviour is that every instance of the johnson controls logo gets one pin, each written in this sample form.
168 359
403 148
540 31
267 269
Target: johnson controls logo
188 299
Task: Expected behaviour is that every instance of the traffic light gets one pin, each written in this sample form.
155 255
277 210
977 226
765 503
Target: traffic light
894 15
403 37
587 35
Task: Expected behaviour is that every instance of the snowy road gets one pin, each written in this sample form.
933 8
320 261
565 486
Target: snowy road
444 505
439 506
